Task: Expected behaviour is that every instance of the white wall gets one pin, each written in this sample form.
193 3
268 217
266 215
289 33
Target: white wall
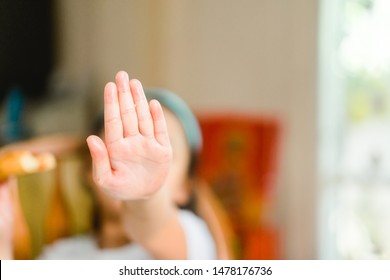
252 55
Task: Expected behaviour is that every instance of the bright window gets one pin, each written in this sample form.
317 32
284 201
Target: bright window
354 130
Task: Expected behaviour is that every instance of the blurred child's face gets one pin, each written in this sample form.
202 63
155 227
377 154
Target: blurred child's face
177 180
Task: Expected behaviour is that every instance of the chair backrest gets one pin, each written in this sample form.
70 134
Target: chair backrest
213 213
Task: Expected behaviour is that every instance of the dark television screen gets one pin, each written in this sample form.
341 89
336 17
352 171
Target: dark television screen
26 46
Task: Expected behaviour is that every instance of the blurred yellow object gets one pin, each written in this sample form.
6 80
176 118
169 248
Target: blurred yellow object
359 107
48 204
21 231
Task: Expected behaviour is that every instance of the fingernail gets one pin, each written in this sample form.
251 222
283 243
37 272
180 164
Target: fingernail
140 88
122 74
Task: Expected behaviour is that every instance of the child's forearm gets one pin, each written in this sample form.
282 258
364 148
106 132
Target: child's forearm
154 223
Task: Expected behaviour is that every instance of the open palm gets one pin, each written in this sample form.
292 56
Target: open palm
134 159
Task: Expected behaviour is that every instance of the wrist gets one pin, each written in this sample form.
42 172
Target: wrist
158 206
162 194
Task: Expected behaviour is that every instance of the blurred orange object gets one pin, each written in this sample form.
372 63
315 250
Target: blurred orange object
57 222
21 162
239 161
262 243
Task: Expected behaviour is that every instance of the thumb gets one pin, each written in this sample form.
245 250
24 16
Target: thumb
101 166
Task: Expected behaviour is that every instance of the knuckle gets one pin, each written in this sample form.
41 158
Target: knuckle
167 155
99 180
113 120
143 116
129 111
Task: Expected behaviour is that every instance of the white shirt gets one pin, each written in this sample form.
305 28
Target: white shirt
200 245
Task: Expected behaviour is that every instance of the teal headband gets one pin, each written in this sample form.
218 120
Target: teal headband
183 113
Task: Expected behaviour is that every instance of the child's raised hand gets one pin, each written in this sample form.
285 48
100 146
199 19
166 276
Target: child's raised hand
134 159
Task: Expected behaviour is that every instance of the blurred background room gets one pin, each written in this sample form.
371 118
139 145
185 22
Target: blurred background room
292 96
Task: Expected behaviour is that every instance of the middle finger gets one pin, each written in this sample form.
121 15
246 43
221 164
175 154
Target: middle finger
126 104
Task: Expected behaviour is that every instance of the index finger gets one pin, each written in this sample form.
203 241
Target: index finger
112 119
